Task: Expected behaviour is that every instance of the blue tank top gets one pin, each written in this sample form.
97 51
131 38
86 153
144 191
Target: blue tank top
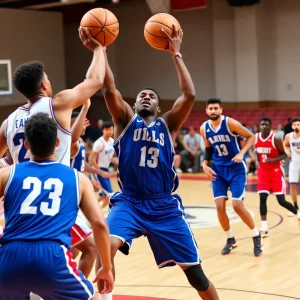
226 144
77 162
146 157
41 202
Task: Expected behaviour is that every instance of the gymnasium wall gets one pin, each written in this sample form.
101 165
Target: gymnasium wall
31 35
245 54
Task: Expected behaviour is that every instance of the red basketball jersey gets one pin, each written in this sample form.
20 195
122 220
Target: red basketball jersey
265 148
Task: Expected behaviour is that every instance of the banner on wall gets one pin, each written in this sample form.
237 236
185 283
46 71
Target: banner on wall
167 6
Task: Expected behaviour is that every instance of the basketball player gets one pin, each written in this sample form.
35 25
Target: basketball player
270 154
221 137
101 158
146 205
292 149
33 83
42 198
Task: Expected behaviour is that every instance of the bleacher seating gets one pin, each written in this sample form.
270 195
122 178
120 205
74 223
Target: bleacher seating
249 116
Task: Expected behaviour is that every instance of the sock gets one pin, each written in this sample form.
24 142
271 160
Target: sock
106 296
255 232
298 214
229 234
264 225
296 205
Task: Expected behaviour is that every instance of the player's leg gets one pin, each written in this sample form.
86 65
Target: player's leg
124 225
237 187
220 188
116 244
83 242
294 172
88 255
172 242
200 282
106 190
279 189
264 188
263 213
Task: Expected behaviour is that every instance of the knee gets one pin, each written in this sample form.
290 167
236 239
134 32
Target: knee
238 206
221 206
115 245
197 278
90 249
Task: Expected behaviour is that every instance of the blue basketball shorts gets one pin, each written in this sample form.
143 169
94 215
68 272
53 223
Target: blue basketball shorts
161 221
42 267
105 185
230 177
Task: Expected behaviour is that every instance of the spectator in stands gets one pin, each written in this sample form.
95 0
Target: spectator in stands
192 155
279 132
178 148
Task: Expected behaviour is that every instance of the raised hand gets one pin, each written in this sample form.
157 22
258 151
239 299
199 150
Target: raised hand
175 41
87 40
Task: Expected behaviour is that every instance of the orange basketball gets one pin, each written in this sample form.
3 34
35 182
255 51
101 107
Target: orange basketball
102 24
152 30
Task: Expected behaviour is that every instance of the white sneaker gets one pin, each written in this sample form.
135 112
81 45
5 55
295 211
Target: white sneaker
290 214
179 171
190 170
264 233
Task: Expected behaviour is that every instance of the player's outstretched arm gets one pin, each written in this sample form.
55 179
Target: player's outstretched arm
72 98
120 111
208 154
92 170
184 104
90 207
237 128
279 145
286 145
3 143
77 127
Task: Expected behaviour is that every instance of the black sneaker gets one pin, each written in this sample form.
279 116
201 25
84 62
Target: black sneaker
258 245
231 244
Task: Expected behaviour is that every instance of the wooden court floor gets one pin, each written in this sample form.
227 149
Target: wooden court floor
239 276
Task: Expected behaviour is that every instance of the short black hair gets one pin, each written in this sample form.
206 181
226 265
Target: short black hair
75 114
153 90
266 120
213 101
28 77
107 124
41 134
295 120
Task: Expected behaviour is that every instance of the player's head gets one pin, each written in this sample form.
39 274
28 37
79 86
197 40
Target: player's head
192 131
41 136
214 108
265 126
31 80
296 124
74 117
147 103
108 129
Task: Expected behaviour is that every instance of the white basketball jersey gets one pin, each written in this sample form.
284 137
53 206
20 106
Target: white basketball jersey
105 150
294 145
15 136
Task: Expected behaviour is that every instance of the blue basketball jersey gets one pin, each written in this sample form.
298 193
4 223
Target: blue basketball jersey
146 157
77 162
226 144
41 202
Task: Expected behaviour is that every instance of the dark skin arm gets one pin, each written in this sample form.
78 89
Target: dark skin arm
184 104
120 111
279 145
